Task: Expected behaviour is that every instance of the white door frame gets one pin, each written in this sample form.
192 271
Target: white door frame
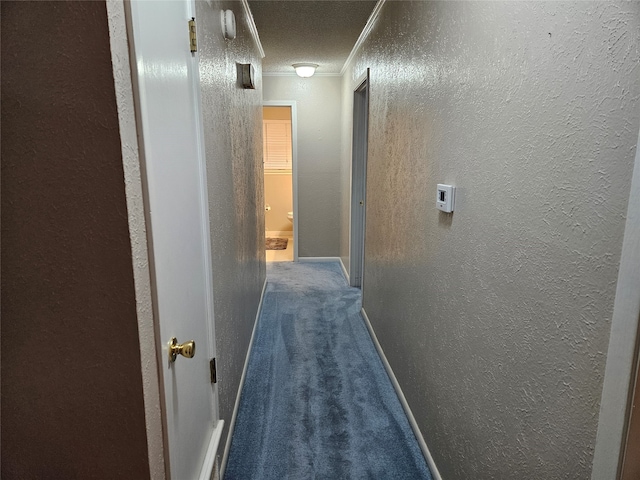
152 389
294 163
620 371
359 152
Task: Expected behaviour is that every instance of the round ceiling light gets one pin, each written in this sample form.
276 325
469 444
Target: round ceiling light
305 70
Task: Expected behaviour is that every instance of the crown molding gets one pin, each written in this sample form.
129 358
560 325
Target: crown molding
363 36
253 28
293 74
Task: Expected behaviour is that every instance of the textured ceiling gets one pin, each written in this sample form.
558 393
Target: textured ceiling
308 31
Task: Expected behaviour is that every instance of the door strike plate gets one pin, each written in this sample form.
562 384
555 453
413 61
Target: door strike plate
212 367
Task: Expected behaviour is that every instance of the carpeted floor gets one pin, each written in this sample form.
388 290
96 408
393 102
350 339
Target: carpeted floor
317 402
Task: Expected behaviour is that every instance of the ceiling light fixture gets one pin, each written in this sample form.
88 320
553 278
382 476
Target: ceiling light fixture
305 70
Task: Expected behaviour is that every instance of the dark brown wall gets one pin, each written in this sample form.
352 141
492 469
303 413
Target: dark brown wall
631 466
72 404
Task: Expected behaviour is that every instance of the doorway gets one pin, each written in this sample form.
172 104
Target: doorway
280 185
359 181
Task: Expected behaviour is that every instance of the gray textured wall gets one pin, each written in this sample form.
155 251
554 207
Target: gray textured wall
233 148
496 319
319 136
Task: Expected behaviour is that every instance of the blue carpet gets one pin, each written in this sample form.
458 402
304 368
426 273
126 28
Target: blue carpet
317 402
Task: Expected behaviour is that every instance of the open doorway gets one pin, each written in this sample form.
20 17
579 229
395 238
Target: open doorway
359 180
279 181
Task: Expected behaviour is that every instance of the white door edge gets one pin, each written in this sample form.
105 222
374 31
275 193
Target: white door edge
206 227
621 359
212 450
152 386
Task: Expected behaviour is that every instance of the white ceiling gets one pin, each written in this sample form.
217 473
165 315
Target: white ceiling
322 32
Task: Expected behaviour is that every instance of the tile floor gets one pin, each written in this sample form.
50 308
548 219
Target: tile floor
281 255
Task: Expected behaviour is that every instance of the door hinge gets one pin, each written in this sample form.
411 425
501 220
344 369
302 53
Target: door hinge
212 367
193 41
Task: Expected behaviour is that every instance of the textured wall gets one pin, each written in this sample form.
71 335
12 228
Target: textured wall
233 148
495 319
72 399
318 102
278 195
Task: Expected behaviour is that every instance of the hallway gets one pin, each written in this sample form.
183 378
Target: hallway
511 323
317 401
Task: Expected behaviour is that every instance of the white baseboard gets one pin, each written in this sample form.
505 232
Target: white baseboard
327 259
318 259
344 270
232 423
279 233
212 450
412 421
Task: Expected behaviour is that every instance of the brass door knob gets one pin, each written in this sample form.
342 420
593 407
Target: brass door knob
187 349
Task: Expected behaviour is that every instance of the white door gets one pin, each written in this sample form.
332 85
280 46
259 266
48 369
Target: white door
169 117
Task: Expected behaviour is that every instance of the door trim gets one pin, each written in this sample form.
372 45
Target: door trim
620 370
294 163
359 153
212 450
152 388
